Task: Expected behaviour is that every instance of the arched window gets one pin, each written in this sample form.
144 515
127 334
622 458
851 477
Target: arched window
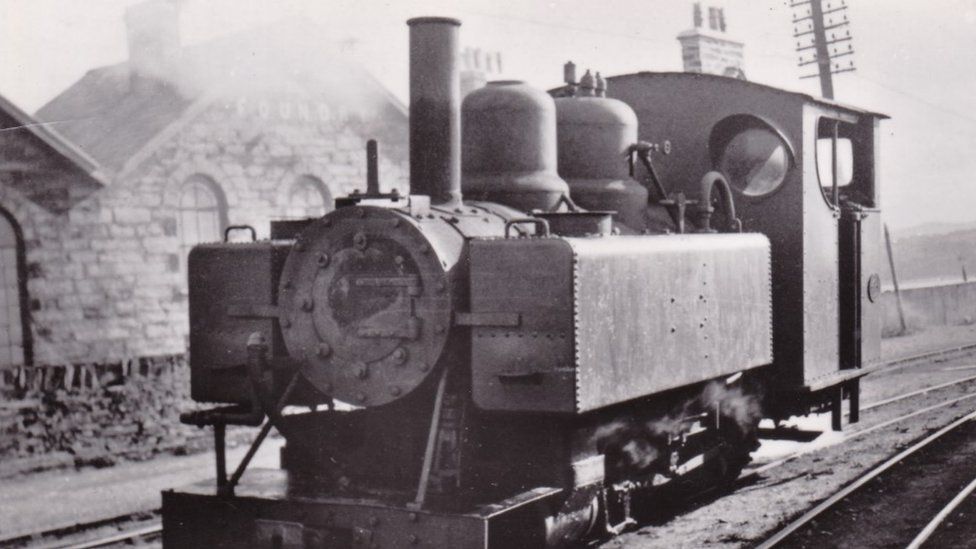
202 214
308 197
14 347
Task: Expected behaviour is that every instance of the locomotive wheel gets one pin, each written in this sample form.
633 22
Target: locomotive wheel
736 454
730 451
727 467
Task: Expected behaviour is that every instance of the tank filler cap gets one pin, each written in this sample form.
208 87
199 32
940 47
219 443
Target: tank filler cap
601 85
587 84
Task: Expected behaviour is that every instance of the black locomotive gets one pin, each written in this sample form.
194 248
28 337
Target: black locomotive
607 312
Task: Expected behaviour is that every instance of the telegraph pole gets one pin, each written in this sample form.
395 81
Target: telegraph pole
823 35
894 280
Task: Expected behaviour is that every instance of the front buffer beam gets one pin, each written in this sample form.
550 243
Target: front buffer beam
265 513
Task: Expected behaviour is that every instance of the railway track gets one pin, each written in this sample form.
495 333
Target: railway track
889 505
925 355
919 392
127 530
751 473
910 359
941 517
143 535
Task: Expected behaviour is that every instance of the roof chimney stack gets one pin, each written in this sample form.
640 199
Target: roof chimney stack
710 49
153 30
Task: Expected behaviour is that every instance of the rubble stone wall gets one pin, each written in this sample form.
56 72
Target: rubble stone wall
97 416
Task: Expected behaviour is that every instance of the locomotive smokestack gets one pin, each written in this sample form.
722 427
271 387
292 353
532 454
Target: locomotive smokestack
435 109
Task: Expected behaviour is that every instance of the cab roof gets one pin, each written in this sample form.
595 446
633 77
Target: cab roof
718 80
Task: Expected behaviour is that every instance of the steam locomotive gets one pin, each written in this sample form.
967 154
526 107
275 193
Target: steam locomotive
639 269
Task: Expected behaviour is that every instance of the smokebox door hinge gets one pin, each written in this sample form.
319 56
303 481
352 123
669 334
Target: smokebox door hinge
503 320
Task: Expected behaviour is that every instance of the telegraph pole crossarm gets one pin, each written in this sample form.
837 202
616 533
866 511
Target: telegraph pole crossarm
818 22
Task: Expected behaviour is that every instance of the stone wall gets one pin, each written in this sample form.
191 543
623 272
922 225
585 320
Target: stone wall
95 415
944 305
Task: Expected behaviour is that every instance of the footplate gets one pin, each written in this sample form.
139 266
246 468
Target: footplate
268 513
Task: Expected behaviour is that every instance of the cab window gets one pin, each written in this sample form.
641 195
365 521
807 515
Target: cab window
842 166
753 156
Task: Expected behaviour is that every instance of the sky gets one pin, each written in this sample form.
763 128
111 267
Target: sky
914 61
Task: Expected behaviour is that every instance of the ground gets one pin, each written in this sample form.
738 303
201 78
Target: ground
760 503
57 499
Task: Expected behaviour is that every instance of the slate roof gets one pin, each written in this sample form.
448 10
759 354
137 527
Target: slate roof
21 121
104 117
42 165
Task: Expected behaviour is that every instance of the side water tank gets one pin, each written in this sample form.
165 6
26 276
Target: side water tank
508 147
593 136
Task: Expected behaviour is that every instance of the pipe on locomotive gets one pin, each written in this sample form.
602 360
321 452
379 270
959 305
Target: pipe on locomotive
435 109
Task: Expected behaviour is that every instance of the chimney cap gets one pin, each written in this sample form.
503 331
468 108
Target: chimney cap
428 20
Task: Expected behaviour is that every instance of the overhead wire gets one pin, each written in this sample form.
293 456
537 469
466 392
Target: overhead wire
916 98
589 30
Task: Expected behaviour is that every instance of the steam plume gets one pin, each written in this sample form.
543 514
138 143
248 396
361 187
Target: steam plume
633 444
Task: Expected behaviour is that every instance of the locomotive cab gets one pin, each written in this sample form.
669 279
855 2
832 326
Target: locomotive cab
803 172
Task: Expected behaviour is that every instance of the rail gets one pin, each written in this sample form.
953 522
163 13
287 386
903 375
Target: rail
908 359
940 517
752 473
145 533
839 496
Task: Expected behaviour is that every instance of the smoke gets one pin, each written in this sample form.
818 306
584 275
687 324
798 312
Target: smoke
733 403
627 445
289 68
288 57
637 444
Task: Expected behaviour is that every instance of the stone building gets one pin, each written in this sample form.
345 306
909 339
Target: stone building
183 142
709 49
42 176
104 191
